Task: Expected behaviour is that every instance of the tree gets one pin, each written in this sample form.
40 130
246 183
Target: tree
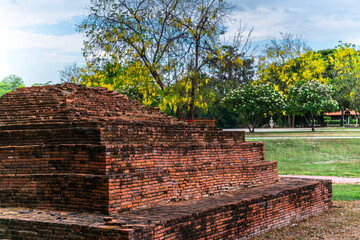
288 60
311 98
346 79
288 70
173 39
288 47
14 81
10 83
307 66
254 102
70 73
228 71
236 65
131 79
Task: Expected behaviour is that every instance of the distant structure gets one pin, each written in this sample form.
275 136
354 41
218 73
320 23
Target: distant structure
88 163
348 115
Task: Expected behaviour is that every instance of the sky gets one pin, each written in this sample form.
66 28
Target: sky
39 38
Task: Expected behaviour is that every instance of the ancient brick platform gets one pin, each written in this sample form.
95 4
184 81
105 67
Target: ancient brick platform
89 152
235 215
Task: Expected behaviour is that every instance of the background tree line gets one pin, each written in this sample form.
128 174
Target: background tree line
173 54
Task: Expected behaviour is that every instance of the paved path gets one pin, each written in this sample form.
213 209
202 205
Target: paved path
335 180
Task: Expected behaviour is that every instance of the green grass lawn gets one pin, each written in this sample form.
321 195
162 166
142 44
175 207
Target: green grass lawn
326 157
346 192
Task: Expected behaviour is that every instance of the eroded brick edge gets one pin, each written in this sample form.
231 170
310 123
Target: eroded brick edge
236 215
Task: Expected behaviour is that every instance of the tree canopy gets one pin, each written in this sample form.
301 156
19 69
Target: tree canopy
346 79
173 39
312 98
10 83
254 102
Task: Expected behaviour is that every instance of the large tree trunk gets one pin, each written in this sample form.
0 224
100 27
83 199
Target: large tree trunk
194 82
291 120
190 114
178 113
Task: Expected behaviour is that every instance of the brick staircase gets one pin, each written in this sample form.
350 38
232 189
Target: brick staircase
88 153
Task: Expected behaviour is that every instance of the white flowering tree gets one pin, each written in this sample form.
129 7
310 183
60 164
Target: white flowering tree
254 102
311 98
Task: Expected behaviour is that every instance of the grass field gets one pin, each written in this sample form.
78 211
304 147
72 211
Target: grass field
346 192
326 157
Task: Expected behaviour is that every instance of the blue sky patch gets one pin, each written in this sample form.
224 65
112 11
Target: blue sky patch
62 28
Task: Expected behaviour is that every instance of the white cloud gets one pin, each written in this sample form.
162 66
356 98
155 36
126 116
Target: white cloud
16 39
323 22
34 12
27 50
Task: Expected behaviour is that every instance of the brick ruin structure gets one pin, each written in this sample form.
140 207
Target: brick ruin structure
88 163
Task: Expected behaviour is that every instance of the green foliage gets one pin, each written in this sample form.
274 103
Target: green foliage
333 122
10 83
131 79
307 66
42 84
311 98
346 80
173 40
254 102
326 55
224 117
288 61
228 71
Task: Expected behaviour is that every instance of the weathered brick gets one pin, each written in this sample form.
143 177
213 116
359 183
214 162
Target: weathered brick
77 149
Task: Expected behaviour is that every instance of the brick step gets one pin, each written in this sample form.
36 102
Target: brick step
141 190
46 125
235 215
71 135
125 158
71 191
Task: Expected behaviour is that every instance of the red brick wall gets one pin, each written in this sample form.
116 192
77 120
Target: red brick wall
245 218
74 192
166 133
141 175
146 175
53 159
238 217
206 121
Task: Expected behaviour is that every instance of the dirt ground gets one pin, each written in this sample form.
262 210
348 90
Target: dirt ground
342 222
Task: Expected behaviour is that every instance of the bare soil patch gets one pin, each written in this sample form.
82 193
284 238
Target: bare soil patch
342 222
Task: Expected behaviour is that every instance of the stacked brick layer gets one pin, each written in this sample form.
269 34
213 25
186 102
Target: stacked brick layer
235 215
122 155
72 148
115 178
